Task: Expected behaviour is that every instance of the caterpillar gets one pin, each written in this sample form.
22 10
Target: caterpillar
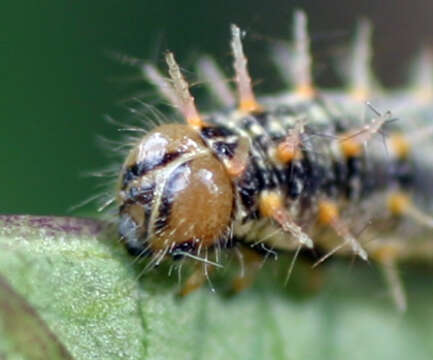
309 168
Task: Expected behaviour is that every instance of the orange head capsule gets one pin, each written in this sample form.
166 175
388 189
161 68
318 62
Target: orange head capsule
174 195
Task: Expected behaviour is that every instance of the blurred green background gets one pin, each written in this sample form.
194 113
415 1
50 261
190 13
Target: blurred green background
58 79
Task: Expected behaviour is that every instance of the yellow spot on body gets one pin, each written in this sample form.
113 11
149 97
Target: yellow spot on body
360 94
306 91
195 122
399 203
328 212
386 253
270 203
287 152
249 105
350 147
400 145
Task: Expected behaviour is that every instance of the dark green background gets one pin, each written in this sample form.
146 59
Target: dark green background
57 80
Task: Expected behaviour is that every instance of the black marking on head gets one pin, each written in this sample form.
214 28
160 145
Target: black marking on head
175 183
132 237
127 225
145 195
129 175
163 214
142 195
147 165
133 192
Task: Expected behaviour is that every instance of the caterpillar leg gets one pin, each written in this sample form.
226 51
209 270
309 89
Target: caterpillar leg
250 262
197 278
386 255
395 284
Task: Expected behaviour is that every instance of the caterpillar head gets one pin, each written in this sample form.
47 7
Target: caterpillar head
174 195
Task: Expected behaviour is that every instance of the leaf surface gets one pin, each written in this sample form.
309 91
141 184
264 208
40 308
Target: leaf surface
69 290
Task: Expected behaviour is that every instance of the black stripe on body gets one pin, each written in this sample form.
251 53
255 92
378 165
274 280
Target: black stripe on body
221 140
249 186
212 132
255 178
404 172
354 178
291 178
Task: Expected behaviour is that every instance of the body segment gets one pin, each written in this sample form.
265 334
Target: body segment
305 169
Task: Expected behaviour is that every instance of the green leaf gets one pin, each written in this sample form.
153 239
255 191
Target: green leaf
69 290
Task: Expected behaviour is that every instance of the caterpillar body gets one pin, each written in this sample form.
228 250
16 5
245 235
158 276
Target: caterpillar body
306 169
